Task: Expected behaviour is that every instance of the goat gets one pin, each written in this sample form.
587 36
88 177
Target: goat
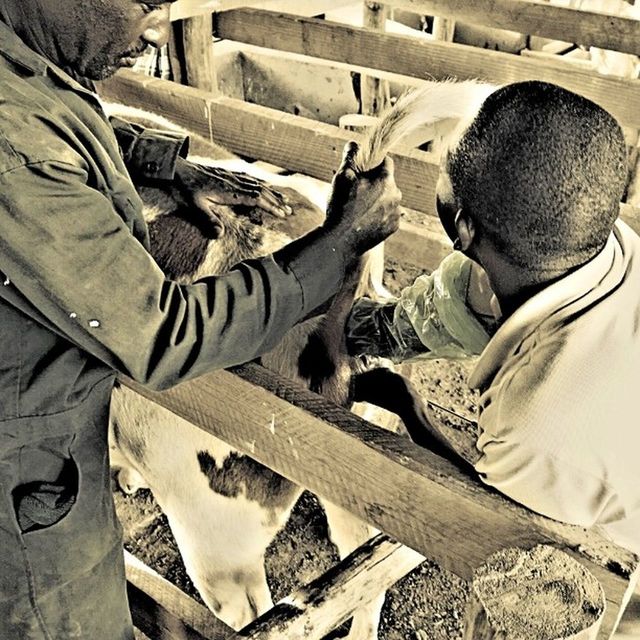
224 508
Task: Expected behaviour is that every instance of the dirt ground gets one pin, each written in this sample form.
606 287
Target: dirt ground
426 605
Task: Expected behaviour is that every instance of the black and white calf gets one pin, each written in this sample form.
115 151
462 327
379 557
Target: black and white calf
223 507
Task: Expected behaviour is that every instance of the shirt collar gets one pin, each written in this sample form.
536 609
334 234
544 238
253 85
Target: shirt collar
578 287
13 48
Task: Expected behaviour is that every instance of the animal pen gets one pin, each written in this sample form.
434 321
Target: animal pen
416 498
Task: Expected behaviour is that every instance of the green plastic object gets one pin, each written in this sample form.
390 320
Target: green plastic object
431 319
436 307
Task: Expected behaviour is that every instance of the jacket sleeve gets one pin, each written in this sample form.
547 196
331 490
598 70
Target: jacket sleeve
73 265
149 153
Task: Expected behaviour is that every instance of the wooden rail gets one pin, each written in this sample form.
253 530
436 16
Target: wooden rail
422 59
289 141
161 611
413 495
316 609
538 18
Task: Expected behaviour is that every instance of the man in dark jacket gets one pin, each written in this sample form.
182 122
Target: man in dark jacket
81 299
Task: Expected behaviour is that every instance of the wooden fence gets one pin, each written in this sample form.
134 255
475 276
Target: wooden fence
419 499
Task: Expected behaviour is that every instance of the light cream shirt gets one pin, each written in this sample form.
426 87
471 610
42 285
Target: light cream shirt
560 397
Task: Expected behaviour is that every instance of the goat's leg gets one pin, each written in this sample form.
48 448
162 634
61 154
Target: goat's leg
348 533
223 543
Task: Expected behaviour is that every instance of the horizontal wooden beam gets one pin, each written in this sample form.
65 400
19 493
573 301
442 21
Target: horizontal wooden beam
291 142
314 610
163 612
421 58
420 499
537 18
250 130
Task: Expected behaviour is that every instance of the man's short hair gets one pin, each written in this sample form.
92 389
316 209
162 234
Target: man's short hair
541 171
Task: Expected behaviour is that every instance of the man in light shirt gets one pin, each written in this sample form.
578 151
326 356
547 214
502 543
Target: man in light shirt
529 194
530 191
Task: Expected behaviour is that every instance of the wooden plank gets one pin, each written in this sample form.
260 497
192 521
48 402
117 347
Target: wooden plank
197 35
324 604
189 8
163 612
579 63
295 143
420 499
299 7
374 92
423 59
422 245
488 37
537 18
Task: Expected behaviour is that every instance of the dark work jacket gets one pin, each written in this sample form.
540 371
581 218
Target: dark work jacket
80 300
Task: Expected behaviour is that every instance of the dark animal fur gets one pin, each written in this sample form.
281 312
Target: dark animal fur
241 475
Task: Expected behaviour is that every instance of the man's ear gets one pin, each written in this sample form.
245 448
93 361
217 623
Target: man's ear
466 230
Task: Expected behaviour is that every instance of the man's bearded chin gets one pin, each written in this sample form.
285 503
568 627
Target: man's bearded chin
102 72
94 71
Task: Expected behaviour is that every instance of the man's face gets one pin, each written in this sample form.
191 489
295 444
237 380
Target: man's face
95 38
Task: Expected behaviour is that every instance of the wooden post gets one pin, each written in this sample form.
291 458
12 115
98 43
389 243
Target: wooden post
443 29
374 91
198 53
541 594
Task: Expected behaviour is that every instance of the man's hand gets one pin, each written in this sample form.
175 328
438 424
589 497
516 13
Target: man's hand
364 209
206 186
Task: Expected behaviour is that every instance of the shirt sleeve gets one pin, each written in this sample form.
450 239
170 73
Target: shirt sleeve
149 153
74 265
542 482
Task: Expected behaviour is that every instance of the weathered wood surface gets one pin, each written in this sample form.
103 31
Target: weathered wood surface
374 91
538 594
197 35
423 59
489 37
297 144
294 143
538 18
420 499
163 612
443 29
314 610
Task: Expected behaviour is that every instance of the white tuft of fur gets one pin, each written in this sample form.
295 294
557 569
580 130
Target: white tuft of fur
414 111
